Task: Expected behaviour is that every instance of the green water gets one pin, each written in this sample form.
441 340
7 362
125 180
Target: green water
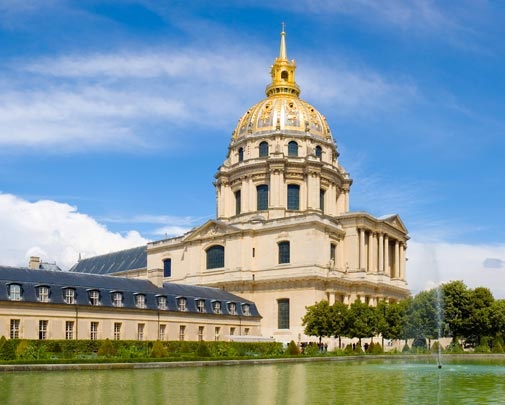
368 382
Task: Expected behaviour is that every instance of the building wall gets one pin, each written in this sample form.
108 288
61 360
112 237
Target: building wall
29 316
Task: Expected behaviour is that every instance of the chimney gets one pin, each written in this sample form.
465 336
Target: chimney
34 263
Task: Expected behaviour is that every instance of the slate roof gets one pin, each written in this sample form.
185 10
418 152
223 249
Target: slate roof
30 280
129 259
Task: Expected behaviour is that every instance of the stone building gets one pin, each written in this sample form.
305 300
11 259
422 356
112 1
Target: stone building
284 236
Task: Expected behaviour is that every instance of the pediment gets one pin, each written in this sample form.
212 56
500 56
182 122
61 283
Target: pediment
395 221
210 229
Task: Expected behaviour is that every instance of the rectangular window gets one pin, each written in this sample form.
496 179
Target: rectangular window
15 328
238 202
284 252
161 333
293 197
117 299
200 333
93 331
217 332
182 332
321 200
333 249
43 330
283 314
200 305
94 297
117 330
167 268
69 296
140 301
69 330
162 302
232 331
262 197
140 331
15 292
43 294
181 304
246 331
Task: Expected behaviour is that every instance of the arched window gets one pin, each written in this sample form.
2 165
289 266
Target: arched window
283 313
318 152
182 304
292 148
284 75
293 197
241 154
238 202
262 197
284 252
264 149
215 257
167 268
321 199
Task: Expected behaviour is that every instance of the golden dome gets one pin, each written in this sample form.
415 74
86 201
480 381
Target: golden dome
282 110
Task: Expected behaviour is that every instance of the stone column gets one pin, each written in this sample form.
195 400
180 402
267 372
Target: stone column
402 261
386 255
370 252
381 252
362 263
397 260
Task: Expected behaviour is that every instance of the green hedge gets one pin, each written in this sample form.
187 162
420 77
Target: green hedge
46 351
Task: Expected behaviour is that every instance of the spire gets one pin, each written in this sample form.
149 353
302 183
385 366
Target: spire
283 73
283 54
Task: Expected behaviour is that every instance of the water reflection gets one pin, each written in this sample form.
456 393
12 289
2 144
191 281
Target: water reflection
304 383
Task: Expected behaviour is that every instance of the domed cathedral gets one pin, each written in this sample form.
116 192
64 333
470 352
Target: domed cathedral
284 236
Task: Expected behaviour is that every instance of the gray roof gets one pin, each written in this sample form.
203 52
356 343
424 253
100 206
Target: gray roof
129 259
30 280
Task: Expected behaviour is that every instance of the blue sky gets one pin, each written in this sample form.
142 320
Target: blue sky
114 116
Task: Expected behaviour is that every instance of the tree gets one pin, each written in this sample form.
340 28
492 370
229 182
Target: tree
423 320
318 320
478 321
361 320
497 318
391 320
456 303
339 315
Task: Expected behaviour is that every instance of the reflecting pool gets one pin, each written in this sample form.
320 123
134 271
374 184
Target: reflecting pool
357 382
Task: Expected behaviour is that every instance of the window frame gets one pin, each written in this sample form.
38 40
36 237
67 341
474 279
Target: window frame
69 330
140 301
293 149
232 308
240 154
69 295
93 330
43 328
217 307
117 330
262 197
284 250
167 267
94 297
182 304
14 329
238 201
15 292
293 197
318 152
162 302
246 309
200 305
215 256
43 293
140 331
283 313
264 149
117 299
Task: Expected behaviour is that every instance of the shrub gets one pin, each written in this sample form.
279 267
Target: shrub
202 350
311 350
158 351
406 348
497 347
22 349
454 348
348 349
375 348
7 349
435 347
106 349
292 348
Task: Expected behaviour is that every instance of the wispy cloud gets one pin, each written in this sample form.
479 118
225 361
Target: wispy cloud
107 100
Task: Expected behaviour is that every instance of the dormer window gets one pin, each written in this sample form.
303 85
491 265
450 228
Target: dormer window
140 301
15 292
94 297
43 293
216 307
117 299
182 304
232 308
162 302
246 309
69 295
200 305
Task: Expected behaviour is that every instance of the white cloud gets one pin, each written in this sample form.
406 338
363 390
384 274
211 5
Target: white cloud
430 264
108 100
55 231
